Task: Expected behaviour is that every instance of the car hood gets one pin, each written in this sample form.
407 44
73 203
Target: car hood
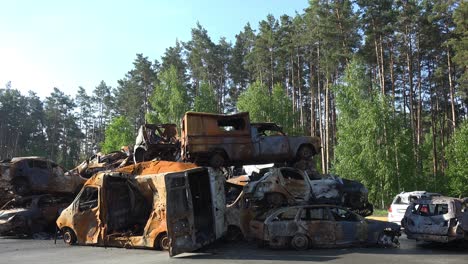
10 212
383 224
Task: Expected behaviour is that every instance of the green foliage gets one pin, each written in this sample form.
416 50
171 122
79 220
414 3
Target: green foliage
205 101
457 159
119 133
169 99
276 108
256 101
372 147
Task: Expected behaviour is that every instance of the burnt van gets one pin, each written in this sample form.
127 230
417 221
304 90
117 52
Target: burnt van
161 205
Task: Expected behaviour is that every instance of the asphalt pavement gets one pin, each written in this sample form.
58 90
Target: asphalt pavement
29 251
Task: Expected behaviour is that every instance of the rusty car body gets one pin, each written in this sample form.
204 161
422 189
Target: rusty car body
290 186
25 175
157 141
307 226
173 209
222 140
31 214
437 219
102 162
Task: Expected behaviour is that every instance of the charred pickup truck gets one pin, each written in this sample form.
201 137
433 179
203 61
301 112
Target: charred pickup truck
437 219
24 175
156 141
224 140
156 204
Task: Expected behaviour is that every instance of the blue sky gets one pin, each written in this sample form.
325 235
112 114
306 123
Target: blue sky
66 44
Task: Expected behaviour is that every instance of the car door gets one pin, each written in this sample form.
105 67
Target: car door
318 225
349 227
86 222
273 146
296 184
282 223
38 173
180 216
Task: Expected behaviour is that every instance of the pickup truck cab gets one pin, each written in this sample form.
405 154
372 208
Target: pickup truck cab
224 140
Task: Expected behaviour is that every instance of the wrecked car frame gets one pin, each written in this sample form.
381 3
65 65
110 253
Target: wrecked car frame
157 141
221 140
169 210
32 214
437 219
25 175
307 226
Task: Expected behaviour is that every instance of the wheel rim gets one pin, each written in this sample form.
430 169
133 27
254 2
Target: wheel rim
67 238
164 243
306 153
300 242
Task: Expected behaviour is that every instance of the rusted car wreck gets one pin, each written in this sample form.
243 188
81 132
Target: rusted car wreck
157 141
224 140
156 204
437 219
290 186
302 227
31 214
25 175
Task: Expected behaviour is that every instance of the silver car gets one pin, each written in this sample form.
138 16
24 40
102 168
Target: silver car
397 209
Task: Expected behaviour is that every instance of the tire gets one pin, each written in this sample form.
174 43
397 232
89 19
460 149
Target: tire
305 153
162 242
234 234
275 199
300 242
217 160
69 236
21 186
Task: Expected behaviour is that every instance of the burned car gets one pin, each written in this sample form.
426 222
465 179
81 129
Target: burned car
290 186
159 204
224 140
101 162
25 175
437 219
302 227
157 141
32 214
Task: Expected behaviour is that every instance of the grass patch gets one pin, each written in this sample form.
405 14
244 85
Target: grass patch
380 212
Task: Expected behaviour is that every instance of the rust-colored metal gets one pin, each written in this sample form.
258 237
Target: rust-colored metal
305 226
23 175
438 219
219 140
140 205
157 142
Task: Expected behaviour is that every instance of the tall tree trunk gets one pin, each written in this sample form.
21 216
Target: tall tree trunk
452 92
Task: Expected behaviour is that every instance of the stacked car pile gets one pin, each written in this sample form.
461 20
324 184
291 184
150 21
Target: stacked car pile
34 189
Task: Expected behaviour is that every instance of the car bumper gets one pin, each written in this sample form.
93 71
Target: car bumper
431 238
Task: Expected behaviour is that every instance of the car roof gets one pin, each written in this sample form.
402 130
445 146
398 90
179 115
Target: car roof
16 159
437 200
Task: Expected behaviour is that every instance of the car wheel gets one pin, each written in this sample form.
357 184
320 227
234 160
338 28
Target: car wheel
21 186
260 243
275 199
386 240
234 234
163 242
217 160
69 236
300 242
305 152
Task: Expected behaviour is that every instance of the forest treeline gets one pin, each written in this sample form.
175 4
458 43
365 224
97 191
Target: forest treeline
383 83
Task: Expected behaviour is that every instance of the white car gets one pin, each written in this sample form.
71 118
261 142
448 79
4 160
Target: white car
397 209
